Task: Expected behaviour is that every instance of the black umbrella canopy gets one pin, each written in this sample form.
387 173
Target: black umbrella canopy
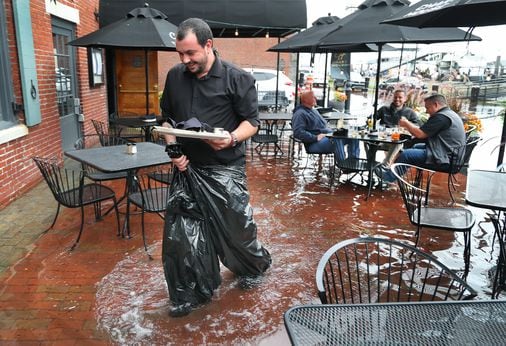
308 41
451 13
364 26
141 28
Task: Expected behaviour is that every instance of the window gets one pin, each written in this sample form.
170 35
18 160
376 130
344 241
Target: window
7 118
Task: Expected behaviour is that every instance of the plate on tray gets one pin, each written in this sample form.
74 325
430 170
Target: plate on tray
190 134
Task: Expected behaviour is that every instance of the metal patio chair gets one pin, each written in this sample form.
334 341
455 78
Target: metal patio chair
70 190
266 136
414 185
150 194
378 270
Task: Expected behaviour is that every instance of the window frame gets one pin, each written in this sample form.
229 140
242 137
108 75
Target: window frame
96 66
7 117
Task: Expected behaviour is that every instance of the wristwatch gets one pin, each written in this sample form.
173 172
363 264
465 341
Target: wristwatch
234 140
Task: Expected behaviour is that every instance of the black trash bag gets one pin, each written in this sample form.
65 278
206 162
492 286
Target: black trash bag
209 217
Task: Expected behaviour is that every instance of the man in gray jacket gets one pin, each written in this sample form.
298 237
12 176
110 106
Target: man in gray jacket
443 132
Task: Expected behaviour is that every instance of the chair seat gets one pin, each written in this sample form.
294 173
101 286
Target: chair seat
264 138
452 219
92 193
354 165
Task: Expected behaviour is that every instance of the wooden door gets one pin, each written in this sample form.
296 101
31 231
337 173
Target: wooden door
131 82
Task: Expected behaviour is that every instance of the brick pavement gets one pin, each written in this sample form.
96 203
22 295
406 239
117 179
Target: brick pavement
22 222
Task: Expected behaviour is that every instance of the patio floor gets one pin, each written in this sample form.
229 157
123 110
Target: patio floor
108 292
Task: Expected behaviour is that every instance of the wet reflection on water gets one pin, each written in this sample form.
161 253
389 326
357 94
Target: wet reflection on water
299 217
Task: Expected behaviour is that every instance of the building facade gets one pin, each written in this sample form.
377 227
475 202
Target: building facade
45 96
49 91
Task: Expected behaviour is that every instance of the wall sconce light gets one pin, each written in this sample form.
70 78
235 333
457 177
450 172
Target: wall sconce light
236 32
267 34
96 14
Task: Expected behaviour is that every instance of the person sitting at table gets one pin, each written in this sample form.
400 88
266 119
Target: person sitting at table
389 116
311 128
443 131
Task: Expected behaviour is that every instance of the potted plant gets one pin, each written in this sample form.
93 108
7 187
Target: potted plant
339 99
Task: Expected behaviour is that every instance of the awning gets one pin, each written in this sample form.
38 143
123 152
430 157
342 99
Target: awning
251 18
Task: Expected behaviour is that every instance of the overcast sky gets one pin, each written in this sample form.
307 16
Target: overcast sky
493 37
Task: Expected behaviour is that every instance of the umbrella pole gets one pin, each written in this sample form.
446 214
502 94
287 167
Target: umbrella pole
376 90
146 72
296 101
502 144
400 64
277 77
325 81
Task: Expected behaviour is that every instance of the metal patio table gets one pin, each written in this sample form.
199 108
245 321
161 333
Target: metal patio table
116 159
480 322
487 189
374 141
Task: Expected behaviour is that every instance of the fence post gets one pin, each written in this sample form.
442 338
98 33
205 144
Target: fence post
473 102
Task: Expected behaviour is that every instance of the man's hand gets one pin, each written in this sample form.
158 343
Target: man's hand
413 129
403 122
321 136
181 162
219 144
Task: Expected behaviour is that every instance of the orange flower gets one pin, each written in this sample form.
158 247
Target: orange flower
339 96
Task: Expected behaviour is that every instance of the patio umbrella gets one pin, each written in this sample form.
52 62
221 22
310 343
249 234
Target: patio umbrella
453 13
307 41
142 28
363 26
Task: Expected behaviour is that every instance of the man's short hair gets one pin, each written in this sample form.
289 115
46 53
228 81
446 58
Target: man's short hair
440 99
197 26
396 91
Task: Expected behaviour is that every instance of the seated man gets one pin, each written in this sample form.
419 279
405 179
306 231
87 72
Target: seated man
389 116
443 132
310 127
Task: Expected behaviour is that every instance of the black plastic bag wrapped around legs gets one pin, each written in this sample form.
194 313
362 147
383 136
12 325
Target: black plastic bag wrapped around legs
209 217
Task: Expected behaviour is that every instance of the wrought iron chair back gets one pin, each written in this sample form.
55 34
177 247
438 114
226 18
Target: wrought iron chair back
459 159
378 270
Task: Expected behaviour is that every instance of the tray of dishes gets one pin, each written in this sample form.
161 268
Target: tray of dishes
218 134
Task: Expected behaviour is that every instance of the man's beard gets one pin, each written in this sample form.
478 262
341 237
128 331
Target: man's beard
200 67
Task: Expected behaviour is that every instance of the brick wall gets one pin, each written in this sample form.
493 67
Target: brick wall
18 173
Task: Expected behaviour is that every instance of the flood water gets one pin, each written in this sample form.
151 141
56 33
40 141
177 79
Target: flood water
299 217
